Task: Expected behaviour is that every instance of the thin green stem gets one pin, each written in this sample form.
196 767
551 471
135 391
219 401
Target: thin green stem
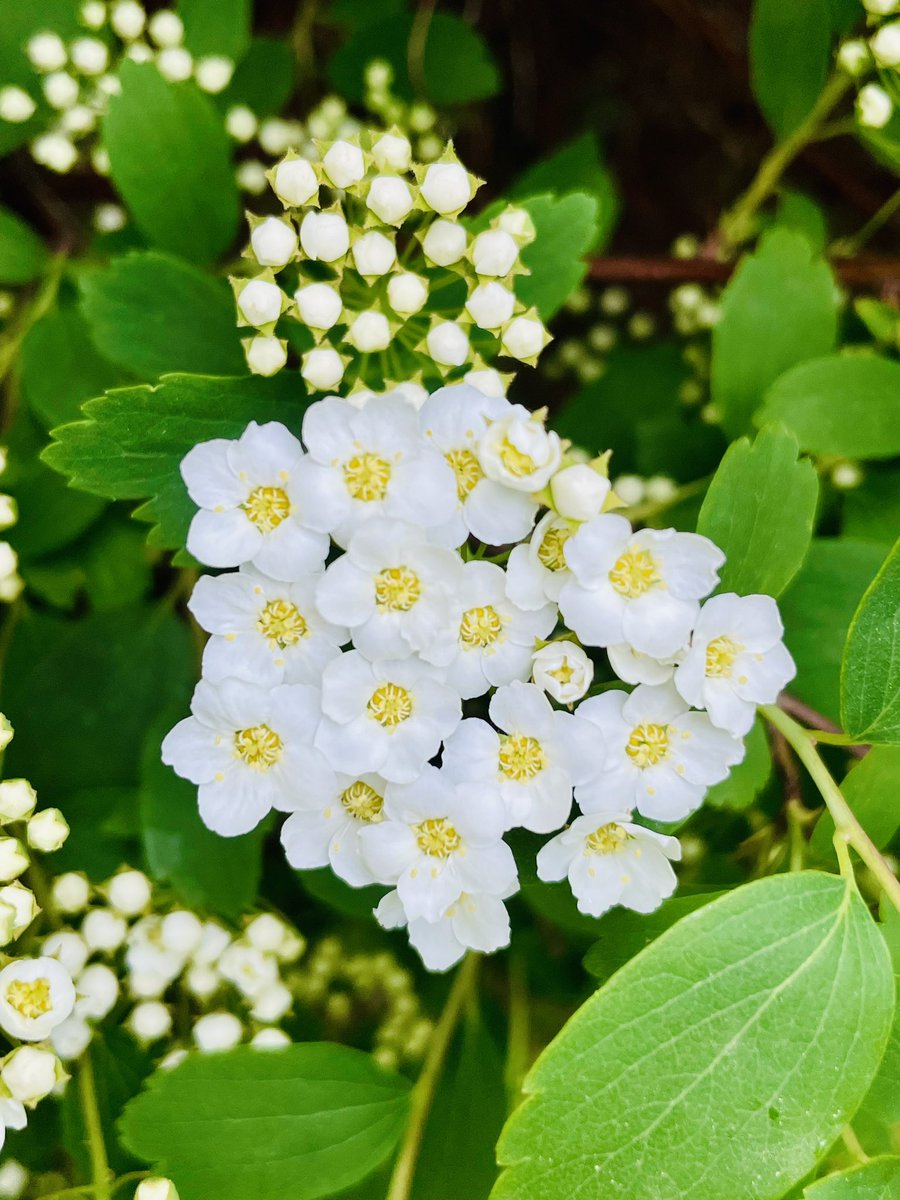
41 303
797 817
426 1085
848 831
847 247
652 508
87 1093
737 224
519 1036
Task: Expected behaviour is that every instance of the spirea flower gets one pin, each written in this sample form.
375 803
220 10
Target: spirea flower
325 827
537 571
519 451
36 995
563 670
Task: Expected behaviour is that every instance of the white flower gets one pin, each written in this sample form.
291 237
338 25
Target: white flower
388 717
319 305
248 748
344 164
407 293
563 670
324 235
36 995
519 451
371 462
444 242
641 588
390 199
263 630
490 305
213 942
494 253
97 990
453 420
447 343
16 105
213 73
474 921
325 826
373 254
127 19
524 338
149 1021
89 55
736 660
632 666
294 182
151 967
322 368
532 764
175 64
494 639
446 187
17 799
654 754
181 932
260 302
47 830
249 969
270 1039
393 152
536 573
66 947
393 590
885 45
578 492
250 511
434 844
103 930
274 242
609 860
129 892
71 1038
29 1074
202 981
369 332
166 28
19 908
217 1031
874 106
46 51
266 355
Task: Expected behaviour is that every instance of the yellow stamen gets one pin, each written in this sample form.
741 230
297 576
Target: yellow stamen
390 705
437 837
648 744
550 552
516 461
720 656
367 477
267 507
521 757
607 839
282 623
397 589
467 470
363 802
634 573
480 627
30 997
259 746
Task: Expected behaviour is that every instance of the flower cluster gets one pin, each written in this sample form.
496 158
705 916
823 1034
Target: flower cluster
874 63
370 257
10 579
74 80
365 613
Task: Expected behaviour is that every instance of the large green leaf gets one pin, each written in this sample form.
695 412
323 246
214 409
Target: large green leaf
778 310
22 253
840 404
170 159
790 56
720 1062
624 933
60 368
875 1180
133 440
760 510
870 674
152 313
566 228
216 27
305 1121
871 789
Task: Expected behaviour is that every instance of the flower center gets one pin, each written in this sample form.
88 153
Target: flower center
648 744
480 627
467 470
282 623
397 589
30 997
720 656
551 550
521 757
437 837
516 461
634 573
607 839
367 477
363 802
390 705
267 507
565 672
258 746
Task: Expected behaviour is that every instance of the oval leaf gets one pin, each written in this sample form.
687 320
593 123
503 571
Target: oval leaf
22 253
699 1066
870 674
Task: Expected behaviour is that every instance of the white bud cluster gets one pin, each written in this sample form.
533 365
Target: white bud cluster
11 583
873 62
366 237
417 120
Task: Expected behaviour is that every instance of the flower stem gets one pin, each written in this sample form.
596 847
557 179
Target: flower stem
426 1085
87 1092
848 831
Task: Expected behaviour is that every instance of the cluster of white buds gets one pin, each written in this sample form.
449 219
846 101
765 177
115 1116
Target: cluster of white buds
364 989
873 62
10 580
601 319
417 120
74 80
370 256
329 692
186 982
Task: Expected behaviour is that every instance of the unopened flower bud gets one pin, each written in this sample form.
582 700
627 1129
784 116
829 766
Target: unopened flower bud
22 906
127 19
494 253
166 28
266 355
68 948
156 1189
6 736
97 990
89 55
369 332
490 305
578 492
70 892
319 305
175 64
60 90
524 338
344 164
407 293
374 253
213 73
325 236
274 242
241 123
47 830
29 1073
149 1021
446 187
885 45
392 152
270 1039
294 182
217 1031
390 199
17 799
202 981
854 57
271 1003
103 930
322 368
16 106
250 176
563 670
444 242
518 223
448 344
266 932
13 1179
488 381
181 931
260 302
71 1038
846 476
46 52
13 859
873 106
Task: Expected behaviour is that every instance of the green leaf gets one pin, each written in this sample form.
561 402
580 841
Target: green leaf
132 443
216 27
120 1067
23 256
817 610
798 212
566 229
882 1102
151 313
305 1121
103 824
871 789
207 871
326 887
872 510
760 510
170 160
60 369
870 674
263 79
624 933
702 1064
575 167
840 404
875 1180
790 56
777 310
745 781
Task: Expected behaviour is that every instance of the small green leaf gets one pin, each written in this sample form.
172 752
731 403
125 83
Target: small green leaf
305 1121
60 369
841 404
131 445
566 228
871 789
760 510
702 1022
875 1180
170 159
624 933
790 56
329 889
152 313
798 212
870 674
23 256
778 310
216 27
745 781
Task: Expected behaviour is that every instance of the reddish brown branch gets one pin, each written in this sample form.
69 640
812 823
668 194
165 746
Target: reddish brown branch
874 273
816 720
